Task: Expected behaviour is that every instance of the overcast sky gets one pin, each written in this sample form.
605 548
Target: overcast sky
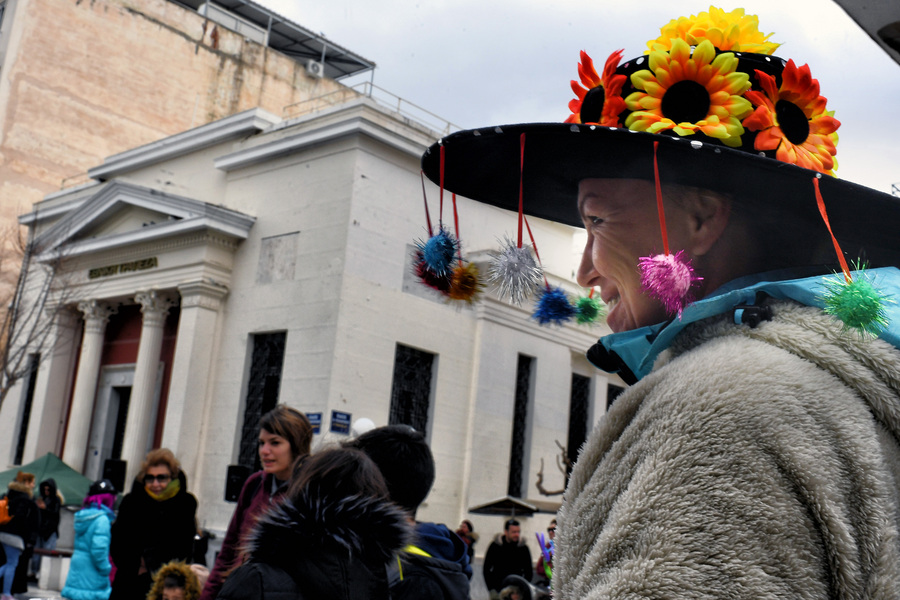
489 62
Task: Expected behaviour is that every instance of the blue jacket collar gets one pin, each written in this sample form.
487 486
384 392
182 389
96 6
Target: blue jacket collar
631 354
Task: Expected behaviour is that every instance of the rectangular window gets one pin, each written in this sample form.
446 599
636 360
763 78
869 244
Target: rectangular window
612 392
579 401
411 388
266 364
34 360
520 425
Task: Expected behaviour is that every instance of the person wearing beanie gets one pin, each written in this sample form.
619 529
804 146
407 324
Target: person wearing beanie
89 571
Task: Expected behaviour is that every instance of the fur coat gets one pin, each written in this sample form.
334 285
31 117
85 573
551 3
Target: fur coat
751 463
321 549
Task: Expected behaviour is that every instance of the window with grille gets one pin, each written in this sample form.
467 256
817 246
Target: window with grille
411 388
266 363
579 401
612 392
520 425
33 361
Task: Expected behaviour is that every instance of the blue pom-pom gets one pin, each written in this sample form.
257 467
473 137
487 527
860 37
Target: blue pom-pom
440 252
553 306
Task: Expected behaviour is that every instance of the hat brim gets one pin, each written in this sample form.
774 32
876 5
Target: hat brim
484 165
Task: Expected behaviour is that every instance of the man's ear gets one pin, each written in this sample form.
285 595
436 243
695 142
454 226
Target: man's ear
709 213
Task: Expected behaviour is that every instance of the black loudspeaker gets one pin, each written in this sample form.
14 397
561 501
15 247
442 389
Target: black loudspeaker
234 481
114 470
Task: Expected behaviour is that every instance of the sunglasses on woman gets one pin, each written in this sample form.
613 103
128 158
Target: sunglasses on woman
148 479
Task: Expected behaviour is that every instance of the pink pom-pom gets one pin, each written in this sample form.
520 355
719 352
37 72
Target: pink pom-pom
668 278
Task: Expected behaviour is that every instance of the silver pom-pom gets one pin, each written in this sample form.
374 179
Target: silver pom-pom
514 272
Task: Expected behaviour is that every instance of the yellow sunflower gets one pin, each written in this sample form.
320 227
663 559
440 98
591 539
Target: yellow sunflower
600 99
793 120
733 31
688 93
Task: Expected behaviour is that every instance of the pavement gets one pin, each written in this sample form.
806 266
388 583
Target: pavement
35 593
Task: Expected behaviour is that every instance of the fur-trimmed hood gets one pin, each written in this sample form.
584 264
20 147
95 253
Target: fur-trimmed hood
178 568
15 486
372 529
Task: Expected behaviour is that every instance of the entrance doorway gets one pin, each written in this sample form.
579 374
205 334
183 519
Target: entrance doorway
110 416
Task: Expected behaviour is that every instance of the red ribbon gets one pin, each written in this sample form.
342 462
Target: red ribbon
659 201
837 246
521 204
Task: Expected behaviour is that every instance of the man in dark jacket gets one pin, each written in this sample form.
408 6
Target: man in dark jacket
506 555
436 564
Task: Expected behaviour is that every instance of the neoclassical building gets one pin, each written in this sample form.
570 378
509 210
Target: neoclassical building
254 260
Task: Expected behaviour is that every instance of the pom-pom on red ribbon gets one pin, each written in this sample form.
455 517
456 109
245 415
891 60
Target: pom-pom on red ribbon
553 306
668 278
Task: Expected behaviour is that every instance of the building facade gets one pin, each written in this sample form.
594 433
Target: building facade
80 81
256 260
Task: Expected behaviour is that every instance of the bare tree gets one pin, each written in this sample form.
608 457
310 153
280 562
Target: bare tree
31 305
564 464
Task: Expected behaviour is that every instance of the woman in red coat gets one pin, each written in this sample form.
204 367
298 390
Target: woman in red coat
285 435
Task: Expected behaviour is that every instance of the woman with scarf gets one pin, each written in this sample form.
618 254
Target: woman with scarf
285 435
156 524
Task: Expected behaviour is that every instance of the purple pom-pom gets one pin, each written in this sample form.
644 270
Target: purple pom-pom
553 306
668 278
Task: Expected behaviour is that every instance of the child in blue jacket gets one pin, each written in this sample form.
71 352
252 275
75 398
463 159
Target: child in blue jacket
88 577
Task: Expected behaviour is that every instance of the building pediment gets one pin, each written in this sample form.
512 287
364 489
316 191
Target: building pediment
121 214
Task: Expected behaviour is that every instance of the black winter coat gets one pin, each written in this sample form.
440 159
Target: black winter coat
506 558
314 550
25 521
50 512
155 531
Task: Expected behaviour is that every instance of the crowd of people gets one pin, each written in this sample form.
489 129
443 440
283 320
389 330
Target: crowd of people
339 523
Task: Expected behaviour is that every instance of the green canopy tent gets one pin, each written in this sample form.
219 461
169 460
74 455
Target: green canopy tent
73 485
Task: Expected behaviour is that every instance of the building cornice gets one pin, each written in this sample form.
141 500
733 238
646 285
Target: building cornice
326 131
239 125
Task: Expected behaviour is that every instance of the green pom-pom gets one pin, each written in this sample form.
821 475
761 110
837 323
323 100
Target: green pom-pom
587 310
857 304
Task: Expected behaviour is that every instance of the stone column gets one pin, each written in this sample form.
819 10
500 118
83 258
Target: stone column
193 371
154 307
96 314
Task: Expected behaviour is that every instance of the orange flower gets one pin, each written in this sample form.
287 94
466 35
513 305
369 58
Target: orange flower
727 31
793 120
687 93
600 100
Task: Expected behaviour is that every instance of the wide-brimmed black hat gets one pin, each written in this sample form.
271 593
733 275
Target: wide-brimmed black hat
764 142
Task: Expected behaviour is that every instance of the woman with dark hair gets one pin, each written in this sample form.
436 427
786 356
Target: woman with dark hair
88 577
330 539
285 435
156 524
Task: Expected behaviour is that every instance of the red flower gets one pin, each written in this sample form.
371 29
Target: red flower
793 120
600 101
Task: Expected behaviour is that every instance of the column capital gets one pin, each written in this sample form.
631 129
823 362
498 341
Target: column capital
155 306
96 314
205 294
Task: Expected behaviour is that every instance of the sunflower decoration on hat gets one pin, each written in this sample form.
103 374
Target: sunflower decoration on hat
707 105
713 77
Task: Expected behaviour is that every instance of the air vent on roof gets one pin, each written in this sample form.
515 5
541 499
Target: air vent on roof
315 69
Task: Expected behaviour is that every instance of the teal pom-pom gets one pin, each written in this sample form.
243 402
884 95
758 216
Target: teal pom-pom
440 252
857 304
588 310
553 306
